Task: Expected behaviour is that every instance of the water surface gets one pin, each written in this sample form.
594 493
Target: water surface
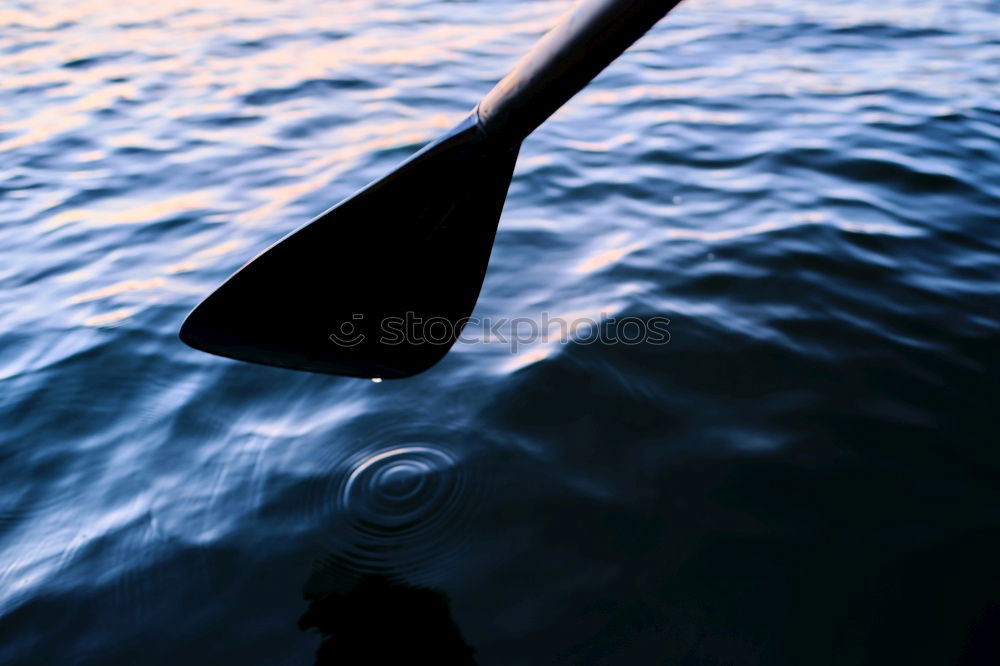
807 473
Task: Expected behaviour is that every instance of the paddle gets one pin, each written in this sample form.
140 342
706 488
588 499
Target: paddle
381 284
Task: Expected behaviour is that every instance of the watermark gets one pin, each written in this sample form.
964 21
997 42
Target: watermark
513 333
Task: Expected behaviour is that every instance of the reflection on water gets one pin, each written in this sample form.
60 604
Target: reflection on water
379 621
806 473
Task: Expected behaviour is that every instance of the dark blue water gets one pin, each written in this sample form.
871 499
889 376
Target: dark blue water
807 473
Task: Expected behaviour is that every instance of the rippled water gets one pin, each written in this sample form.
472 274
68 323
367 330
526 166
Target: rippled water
807 473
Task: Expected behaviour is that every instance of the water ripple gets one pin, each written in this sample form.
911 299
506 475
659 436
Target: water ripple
808 192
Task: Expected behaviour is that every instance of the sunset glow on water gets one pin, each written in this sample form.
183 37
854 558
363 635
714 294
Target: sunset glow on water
806 473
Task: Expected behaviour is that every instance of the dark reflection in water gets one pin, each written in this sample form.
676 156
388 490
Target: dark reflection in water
377 620
806 475
395 514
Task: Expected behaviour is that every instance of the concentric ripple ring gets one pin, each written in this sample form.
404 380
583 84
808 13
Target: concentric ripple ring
401 497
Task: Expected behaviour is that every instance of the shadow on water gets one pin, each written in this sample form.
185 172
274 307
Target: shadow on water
378 620
856 525
397 518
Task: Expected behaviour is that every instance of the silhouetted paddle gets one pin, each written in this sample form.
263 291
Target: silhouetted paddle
381 284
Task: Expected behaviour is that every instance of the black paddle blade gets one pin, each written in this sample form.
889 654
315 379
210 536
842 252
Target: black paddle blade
379 285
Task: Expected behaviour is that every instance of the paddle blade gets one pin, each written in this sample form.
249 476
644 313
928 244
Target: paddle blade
379 285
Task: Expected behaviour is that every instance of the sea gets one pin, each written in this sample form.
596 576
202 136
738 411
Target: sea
804 469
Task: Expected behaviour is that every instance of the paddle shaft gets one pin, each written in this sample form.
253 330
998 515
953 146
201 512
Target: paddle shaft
587 40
